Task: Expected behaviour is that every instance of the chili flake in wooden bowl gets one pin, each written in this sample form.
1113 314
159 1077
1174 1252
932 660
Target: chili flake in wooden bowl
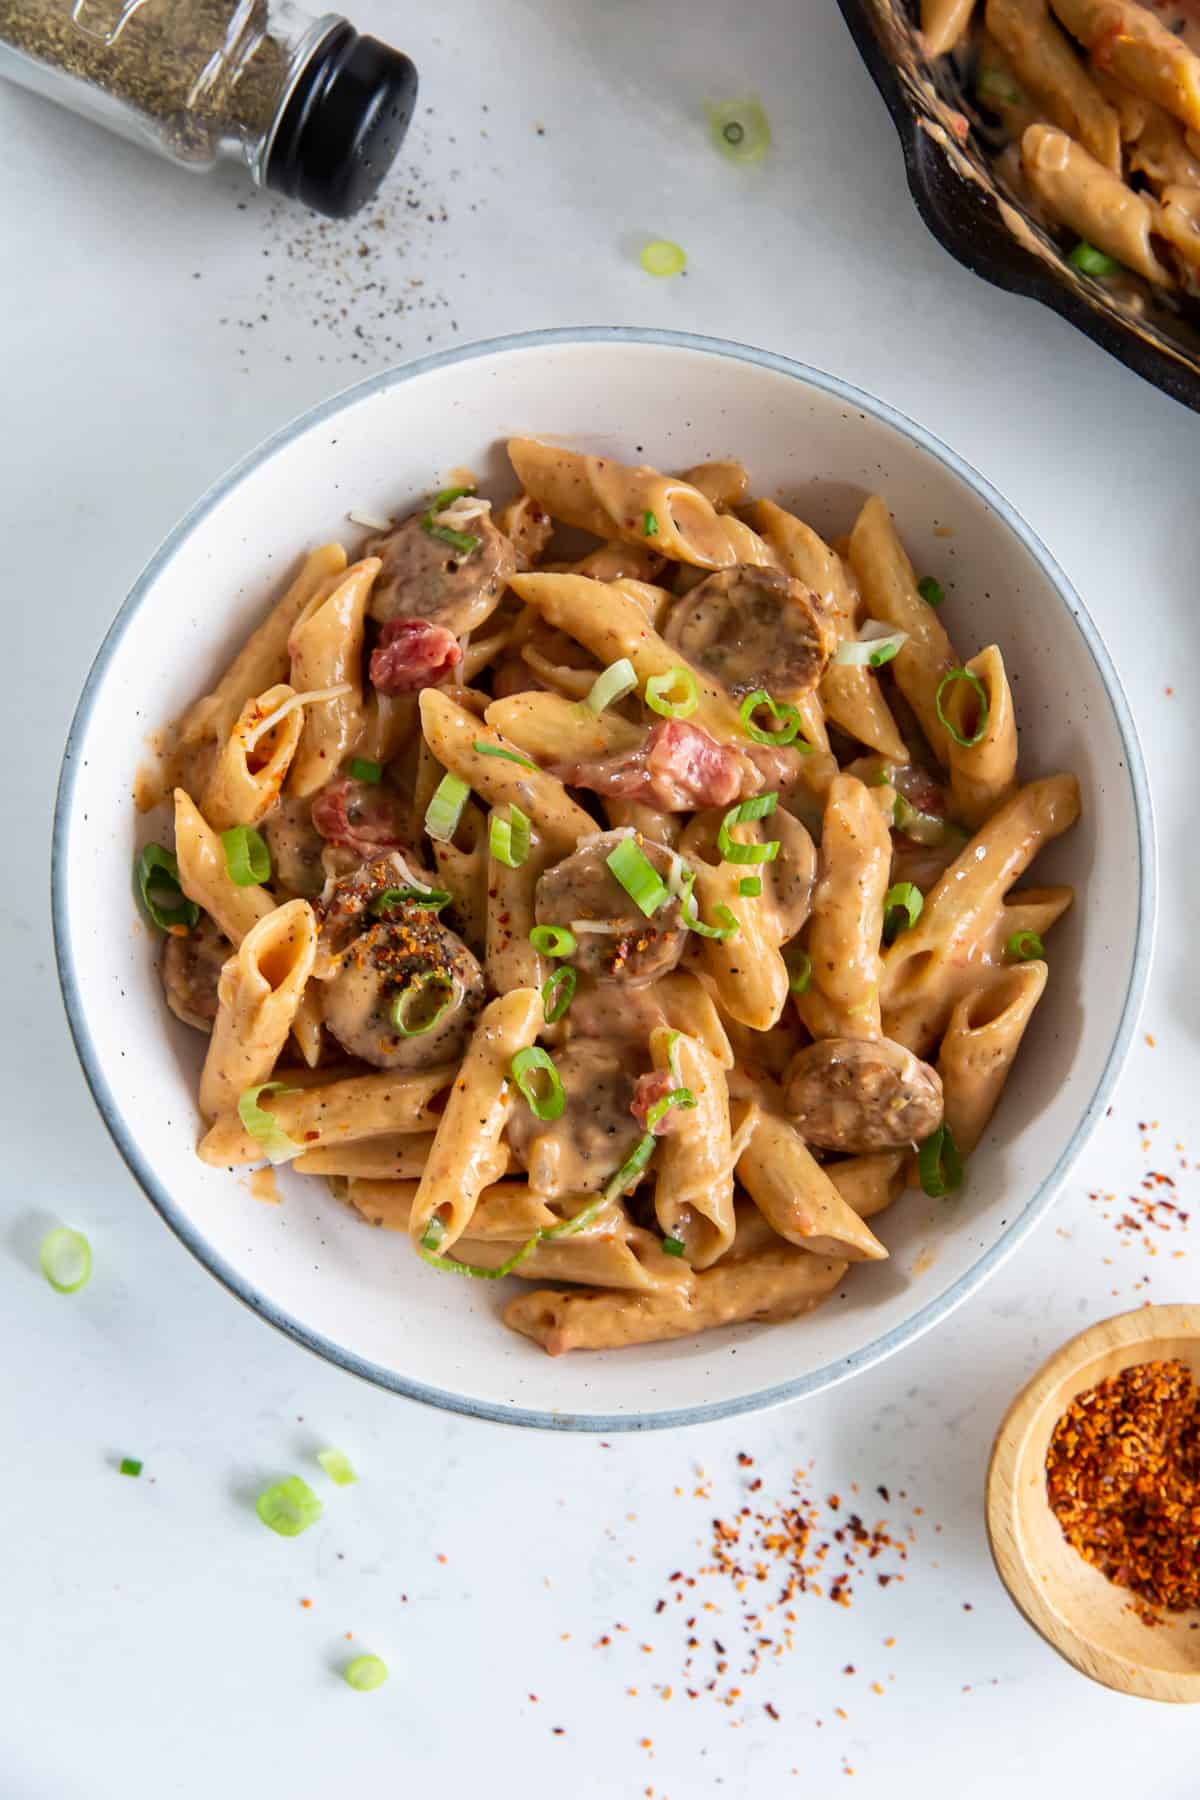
1093 1502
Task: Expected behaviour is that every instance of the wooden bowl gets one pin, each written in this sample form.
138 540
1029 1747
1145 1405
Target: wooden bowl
1081 1614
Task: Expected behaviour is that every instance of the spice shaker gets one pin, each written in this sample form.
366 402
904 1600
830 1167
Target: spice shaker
315 108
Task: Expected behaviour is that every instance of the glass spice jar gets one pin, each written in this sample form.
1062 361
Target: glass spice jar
315 108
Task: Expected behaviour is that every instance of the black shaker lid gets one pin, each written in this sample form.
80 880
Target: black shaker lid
343 123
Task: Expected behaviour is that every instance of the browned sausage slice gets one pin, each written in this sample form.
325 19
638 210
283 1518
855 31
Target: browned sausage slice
862 1094
424 578
754 628
420 958
578 1152
624 945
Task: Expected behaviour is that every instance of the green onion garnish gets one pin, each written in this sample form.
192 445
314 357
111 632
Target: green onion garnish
680 1096
787 713
435 1231
158 875
557 994
994 84
247 859
799 967
629 1172
739 129
365 1673
682 884
930 590
980 692
750 886
289 1507
663 258
508 755
414 1010
902 906
1091 261
131 1465
430 899
370 772
649 525
337 1466
673 695
509 839
673 1246
553 940
637 875
875 645
1026 946
921 827
270 1136
548 1099
446 808
611 685
450 1266
462 541
760 806
66 1258
939 1163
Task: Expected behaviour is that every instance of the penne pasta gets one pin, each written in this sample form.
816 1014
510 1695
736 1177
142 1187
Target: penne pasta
1138 50
983 774
258 996
693 1193
944 23
552 729
452 735
843 936
335 1112
1044 61
205 879
512 961
1078 191
326 650
393 1156
979 1046
798 1199
247 775
868 1184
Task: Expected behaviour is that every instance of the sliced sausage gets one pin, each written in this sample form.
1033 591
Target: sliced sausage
578 1152
860 1095
754 628
413 954
788 882
677 769
344 910
359 816
413 654
625 946
191 969
295 845
424 578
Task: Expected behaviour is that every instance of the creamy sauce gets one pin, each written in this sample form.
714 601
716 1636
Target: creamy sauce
263 1186
578 1152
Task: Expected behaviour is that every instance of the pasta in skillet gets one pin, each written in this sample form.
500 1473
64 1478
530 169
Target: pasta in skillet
637 925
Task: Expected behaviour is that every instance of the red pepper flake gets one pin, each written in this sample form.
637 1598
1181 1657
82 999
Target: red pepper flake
306 1603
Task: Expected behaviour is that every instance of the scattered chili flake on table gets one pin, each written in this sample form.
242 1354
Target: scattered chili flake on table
1123 1481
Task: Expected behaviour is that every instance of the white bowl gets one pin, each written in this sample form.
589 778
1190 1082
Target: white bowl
358 1296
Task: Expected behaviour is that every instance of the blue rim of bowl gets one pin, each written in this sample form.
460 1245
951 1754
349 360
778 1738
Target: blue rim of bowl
817 1379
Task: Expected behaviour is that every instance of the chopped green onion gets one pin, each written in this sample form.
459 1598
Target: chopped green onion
939 1164
289 1507
557 994
432 899
673 1246
785 711
980 692
663 258
462 541
761 806
486 749
994 84
1026 946
550 1102
930 590
509 839
449 1265
435 1231
553 940
631 866
410 1009
739 129
649 525
875 645
799 968
921 827
682 884
750 886
370 772
337 1466
66 1258
630 1170
1091 261
247 859
902 906
660 689
619 679
680 1096
131 1465
581 1221
446 808
267 1133
158 874
365 1673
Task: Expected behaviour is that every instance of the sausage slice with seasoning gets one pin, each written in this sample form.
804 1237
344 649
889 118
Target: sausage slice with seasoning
860 1095
424 577
410 958
615 941
578 1152
754 628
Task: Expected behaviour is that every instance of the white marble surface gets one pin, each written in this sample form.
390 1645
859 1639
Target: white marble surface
155 1641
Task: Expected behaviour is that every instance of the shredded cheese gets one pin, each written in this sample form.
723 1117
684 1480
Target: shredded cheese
372 521
313 698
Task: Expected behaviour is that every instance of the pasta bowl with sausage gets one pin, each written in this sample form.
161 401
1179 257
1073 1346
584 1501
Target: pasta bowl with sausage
657 865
